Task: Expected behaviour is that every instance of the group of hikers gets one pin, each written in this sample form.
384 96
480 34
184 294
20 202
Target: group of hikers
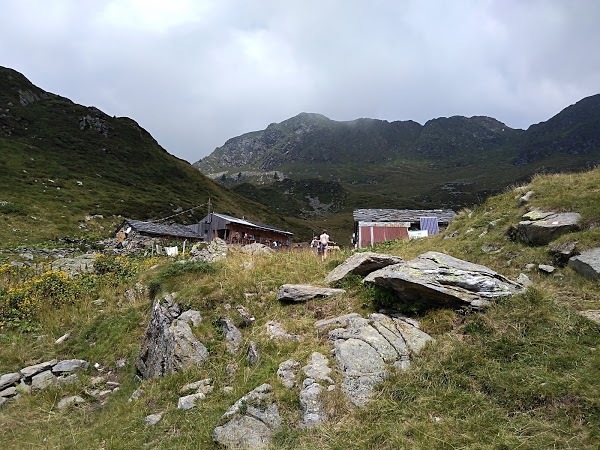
321 244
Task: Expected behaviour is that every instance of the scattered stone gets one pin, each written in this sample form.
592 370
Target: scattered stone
75 266
490 248
233 336
525 199
27 256
69 379
153 419
361 264
189 401
136 395
227 389
42 380
63 338
96 381
247 318
191 317
9 392
311 406
591 314
587 264
435 277
276 331
120 363
524 280
298 293
231 369
365 347
215 251
70 365
202 386
250 422
70 401
253 354
529 266
546 268
112 384
318 369
287 373
168 345
541 227
30 371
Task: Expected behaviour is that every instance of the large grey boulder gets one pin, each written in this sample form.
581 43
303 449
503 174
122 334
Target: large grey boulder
168 345
438 278
215 251
366 348
541 227
587 264
250 422
42 381
298 293
361 264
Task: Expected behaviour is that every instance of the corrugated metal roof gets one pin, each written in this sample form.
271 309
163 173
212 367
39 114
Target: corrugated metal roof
158 229
247 223
402 215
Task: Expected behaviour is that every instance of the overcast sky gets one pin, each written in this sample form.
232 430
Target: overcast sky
195 73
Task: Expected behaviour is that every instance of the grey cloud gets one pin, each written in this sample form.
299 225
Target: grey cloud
202 72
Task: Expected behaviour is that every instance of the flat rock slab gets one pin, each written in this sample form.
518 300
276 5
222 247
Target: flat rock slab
70 365
250 422
438 278
9 379
591 314
361 264
542 227
298 293
30 371
365 348
587 264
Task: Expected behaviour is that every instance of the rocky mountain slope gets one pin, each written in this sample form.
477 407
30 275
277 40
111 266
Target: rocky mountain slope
485 336
60 162
448 162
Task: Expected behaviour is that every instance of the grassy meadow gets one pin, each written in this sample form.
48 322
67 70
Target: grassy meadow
523 374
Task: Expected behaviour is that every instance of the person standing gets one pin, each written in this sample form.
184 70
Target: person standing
324 243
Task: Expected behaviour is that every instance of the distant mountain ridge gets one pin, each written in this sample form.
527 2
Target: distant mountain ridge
447 162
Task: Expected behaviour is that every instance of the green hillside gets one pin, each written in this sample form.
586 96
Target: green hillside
60 162
521 374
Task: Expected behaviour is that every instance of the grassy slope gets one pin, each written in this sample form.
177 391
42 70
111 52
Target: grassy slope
54 173
523 374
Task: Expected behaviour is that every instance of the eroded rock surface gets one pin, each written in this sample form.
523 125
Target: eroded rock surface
250 422
362 264
287 372
298 293
587 264
168 345
233 336
365 348
541 227
435 277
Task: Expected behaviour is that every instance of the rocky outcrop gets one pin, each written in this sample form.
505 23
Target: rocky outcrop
215 251
40 376
250 422
168 345
286 372
75 266
311 405
299 293
441 279
361 264
365 348
541 227
587 263
233 336
562 252
257 249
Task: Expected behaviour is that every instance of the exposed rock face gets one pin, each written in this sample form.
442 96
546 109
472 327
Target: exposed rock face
253 354
318 369
191 317
365 348
70 365
287 372
587 264
75 266
250 422
215 251
233 336
361 264
298 293
312 409
168 344
542 227
276 331
562 252
439 278
257 249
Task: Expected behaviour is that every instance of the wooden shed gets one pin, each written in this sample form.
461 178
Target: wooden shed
240 231
372 226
